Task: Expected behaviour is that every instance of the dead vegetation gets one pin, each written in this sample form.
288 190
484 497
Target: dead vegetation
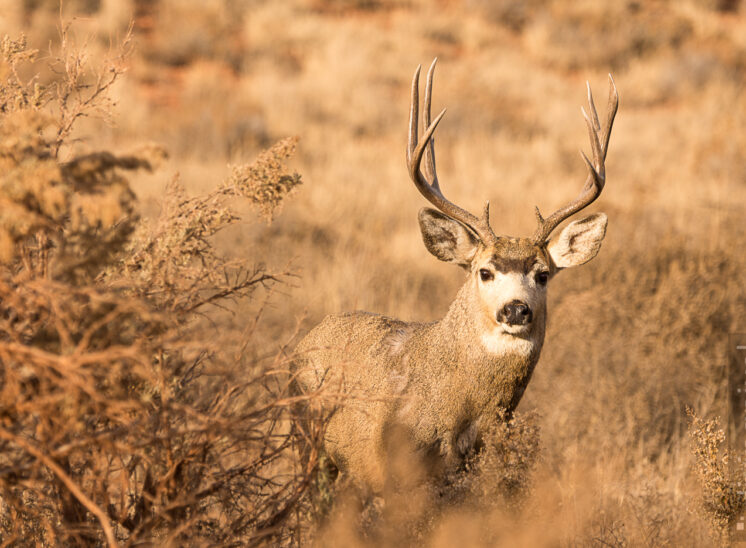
107 314
129 412
722 498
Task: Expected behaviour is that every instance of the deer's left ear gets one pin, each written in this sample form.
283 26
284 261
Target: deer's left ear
446 238
579 241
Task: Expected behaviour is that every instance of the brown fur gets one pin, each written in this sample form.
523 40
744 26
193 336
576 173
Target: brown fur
438 386
434 381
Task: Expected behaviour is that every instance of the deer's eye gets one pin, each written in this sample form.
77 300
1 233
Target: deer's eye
485 275
542 278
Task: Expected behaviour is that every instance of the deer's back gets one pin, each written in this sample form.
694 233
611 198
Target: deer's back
356 351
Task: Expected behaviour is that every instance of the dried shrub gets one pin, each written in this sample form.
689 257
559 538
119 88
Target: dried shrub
129 411
266 183
501 472
85 206
15 93
723 500
82 86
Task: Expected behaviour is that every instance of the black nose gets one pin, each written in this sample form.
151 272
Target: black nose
515 313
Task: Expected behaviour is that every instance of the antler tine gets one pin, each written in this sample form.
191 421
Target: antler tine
414 107
415 151
596 180
596 123
430 172
613 107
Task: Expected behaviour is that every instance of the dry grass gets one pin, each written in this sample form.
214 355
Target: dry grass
634 337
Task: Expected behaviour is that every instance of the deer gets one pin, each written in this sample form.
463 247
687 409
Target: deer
442 383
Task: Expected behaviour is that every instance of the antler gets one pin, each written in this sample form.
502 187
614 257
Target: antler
594 184
431 190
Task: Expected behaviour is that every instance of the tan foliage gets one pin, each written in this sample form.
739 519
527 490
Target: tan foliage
265 182
126 414
723 499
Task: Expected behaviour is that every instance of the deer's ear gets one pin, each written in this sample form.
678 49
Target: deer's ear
579 241
446 238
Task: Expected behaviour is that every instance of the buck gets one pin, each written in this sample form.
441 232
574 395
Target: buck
441 383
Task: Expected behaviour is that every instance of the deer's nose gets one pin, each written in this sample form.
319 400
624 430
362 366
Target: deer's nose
515 313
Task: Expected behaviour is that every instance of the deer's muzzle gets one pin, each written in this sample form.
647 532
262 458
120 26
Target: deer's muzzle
515 313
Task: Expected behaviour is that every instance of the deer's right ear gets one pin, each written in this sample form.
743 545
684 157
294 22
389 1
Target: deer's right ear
446 238
579 241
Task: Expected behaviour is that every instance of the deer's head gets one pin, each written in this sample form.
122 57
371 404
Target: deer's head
509 276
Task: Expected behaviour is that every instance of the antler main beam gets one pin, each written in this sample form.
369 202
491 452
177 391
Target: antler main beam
428 184
596 180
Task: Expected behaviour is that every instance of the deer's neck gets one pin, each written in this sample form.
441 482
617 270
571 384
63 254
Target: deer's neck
498 362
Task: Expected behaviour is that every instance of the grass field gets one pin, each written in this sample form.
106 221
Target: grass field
634 337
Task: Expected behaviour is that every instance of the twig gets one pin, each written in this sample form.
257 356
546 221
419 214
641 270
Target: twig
91 506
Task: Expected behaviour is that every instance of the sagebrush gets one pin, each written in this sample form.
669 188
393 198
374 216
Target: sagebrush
131 411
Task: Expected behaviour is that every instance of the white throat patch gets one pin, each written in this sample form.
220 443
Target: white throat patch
500 343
